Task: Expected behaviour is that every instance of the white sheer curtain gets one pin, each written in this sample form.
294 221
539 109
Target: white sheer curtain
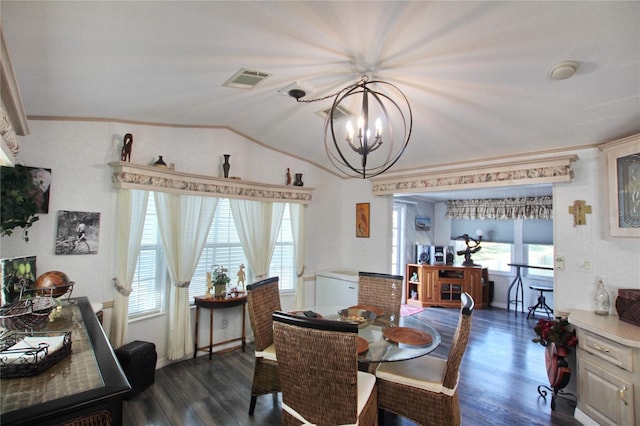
258 224
132 209
298 230
184 222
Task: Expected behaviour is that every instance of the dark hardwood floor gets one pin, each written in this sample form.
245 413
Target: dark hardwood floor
500 374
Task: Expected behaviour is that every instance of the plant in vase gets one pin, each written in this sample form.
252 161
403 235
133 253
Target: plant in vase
558 337
559 332
220 279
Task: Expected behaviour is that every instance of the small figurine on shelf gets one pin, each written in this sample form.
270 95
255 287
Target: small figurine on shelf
209 286
241 277
288 180
414 277
126 147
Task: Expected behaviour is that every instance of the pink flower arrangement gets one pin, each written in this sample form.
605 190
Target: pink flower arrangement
555 331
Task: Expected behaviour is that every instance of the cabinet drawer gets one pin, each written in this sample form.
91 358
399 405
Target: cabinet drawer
605 395
605 349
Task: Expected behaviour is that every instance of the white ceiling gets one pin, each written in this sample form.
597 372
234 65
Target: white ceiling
475 73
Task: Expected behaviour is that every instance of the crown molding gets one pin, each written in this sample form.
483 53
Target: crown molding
151 178
525 172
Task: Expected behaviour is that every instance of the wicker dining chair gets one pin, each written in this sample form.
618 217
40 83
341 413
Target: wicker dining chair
263 299
425 389
321 384
383 291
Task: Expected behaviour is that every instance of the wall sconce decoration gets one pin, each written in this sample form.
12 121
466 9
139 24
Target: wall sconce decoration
473 246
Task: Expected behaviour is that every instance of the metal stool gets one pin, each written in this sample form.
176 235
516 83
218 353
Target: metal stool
542 302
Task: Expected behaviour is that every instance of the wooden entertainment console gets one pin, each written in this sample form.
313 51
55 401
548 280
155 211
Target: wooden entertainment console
441 285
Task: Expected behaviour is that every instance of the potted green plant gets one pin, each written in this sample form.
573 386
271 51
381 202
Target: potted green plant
19 209
220 279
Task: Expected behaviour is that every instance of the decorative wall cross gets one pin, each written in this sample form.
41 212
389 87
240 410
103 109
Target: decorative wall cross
579 209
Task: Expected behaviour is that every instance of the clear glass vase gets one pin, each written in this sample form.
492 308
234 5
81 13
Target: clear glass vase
601 301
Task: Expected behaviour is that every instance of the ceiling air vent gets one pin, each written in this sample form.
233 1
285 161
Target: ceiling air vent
245 79
340 113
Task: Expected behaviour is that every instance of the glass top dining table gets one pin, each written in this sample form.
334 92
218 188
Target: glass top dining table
383 349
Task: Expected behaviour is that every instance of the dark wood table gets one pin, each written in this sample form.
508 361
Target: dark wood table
86 387
212 303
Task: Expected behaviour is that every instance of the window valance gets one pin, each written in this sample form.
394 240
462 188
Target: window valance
135 176
507 208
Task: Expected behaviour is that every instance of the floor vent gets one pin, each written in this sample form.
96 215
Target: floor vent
245 79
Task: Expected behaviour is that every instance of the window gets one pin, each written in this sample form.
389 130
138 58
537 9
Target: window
148 294
495 256
539 255
223 247
282 262
397 232
527 241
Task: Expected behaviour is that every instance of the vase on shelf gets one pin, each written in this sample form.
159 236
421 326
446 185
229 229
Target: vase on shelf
160 163
601 301
298 181
226 166
220 290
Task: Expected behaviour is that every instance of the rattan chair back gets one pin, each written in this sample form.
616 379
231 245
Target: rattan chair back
381 290
263 299
404 390
318 368
459 342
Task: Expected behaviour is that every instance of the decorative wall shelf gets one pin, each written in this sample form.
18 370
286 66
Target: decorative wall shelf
13 120
538 171
151 178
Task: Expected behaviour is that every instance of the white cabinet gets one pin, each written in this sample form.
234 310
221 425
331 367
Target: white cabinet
608 359
336 288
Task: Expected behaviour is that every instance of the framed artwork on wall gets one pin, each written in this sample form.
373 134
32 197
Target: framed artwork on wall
17 272
623 167
423 223
42 182
78 232
362 220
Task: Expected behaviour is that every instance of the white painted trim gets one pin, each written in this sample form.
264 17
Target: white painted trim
11 98
523 172
135 176
583 418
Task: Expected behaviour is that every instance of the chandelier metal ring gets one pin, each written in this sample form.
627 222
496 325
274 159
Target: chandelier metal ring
354 158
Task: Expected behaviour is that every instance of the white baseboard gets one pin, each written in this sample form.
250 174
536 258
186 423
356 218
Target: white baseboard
583 418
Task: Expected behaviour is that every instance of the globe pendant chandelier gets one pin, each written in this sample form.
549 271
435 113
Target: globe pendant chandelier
373 134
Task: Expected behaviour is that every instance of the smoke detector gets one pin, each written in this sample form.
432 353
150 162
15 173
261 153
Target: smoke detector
563 70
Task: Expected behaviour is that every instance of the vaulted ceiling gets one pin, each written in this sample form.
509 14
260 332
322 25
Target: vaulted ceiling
475 73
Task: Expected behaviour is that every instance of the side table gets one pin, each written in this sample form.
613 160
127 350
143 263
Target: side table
213 303
517 281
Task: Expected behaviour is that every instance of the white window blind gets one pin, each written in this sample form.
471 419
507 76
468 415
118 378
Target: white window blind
223 247
147 295
282 262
